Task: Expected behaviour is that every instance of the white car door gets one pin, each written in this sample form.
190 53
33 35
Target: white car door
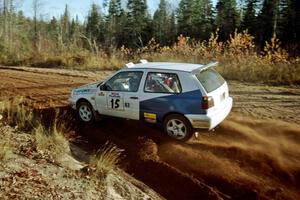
119 96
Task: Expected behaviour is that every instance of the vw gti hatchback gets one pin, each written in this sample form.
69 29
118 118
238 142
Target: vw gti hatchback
180 97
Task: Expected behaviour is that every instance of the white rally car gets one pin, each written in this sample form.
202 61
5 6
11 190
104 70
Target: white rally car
181 97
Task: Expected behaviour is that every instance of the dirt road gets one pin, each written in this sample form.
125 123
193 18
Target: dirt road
45 87
254 154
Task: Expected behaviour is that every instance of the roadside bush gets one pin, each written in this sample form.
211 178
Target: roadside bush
5 148
239 57
17 112
106 159
51 142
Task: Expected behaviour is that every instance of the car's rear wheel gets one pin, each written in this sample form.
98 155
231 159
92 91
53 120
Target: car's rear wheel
85 112
178 127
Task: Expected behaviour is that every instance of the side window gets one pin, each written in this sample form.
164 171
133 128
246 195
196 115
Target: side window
124 82
157 82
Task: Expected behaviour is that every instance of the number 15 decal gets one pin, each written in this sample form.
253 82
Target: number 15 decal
115 101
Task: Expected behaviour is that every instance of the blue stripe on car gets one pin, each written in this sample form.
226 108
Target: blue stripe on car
183 103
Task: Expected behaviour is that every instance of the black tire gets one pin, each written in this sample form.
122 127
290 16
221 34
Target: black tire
85 112
178 127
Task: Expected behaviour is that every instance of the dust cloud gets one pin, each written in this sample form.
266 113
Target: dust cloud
244 158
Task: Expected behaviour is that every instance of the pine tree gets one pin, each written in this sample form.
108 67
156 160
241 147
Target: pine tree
160 22
202 19
240 8
249 21
65 25
35 5
114 23
172 32
5 19
227 19
184 17
53 28
73 29
289 24
268 21
94 25
138 23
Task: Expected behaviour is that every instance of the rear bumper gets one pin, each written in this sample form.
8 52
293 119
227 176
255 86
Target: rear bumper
212 119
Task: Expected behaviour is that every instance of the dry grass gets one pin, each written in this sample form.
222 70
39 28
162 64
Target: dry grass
239 57
5 148
80 60
51 142
106 159
18 113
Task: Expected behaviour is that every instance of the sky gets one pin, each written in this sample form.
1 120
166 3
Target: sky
78 8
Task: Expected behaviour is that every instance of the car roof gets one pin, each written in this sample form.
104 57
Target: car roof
186 67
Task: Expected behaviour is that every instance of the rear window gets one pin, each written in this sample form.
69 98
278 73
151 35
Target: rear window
210 79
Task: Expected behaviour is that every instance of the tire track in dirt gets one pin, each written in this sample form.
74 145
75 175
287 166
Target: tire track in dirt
243 159
266 102
43 89
141 159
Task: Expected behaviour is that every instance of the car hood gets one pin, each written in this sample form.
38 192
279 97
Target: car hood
88 86
86 89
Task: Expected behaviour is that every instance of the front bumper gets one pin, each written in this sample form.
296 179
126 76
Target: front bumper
72 103
211 120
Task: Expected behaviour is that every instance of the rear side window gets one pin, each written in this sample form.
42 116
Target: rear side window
158 82
210 79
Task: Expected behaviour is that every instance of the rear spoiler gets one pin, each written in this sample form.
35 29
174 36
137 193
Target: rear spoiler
204 67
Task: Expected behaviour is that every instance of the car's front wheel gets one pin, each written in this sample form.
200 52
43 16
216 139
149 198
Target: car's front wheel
85 112
178 127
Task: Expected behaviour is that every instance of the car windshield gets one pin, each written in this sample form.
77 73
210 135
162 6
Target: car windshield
210 79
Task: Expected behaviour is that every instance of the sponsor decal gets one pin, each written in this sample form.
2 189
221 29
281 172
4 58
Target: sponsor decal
127 105
84 91
114 94
150 117
101 94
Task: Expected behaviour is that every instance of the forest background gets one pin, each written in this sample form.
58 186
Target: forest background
254 40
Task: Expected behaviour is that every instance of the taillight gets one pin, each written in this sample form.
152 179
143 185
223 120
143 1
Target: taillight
207 102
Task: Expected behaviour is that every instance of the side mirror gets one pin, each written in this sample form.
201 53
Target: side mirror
103 87
98 85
